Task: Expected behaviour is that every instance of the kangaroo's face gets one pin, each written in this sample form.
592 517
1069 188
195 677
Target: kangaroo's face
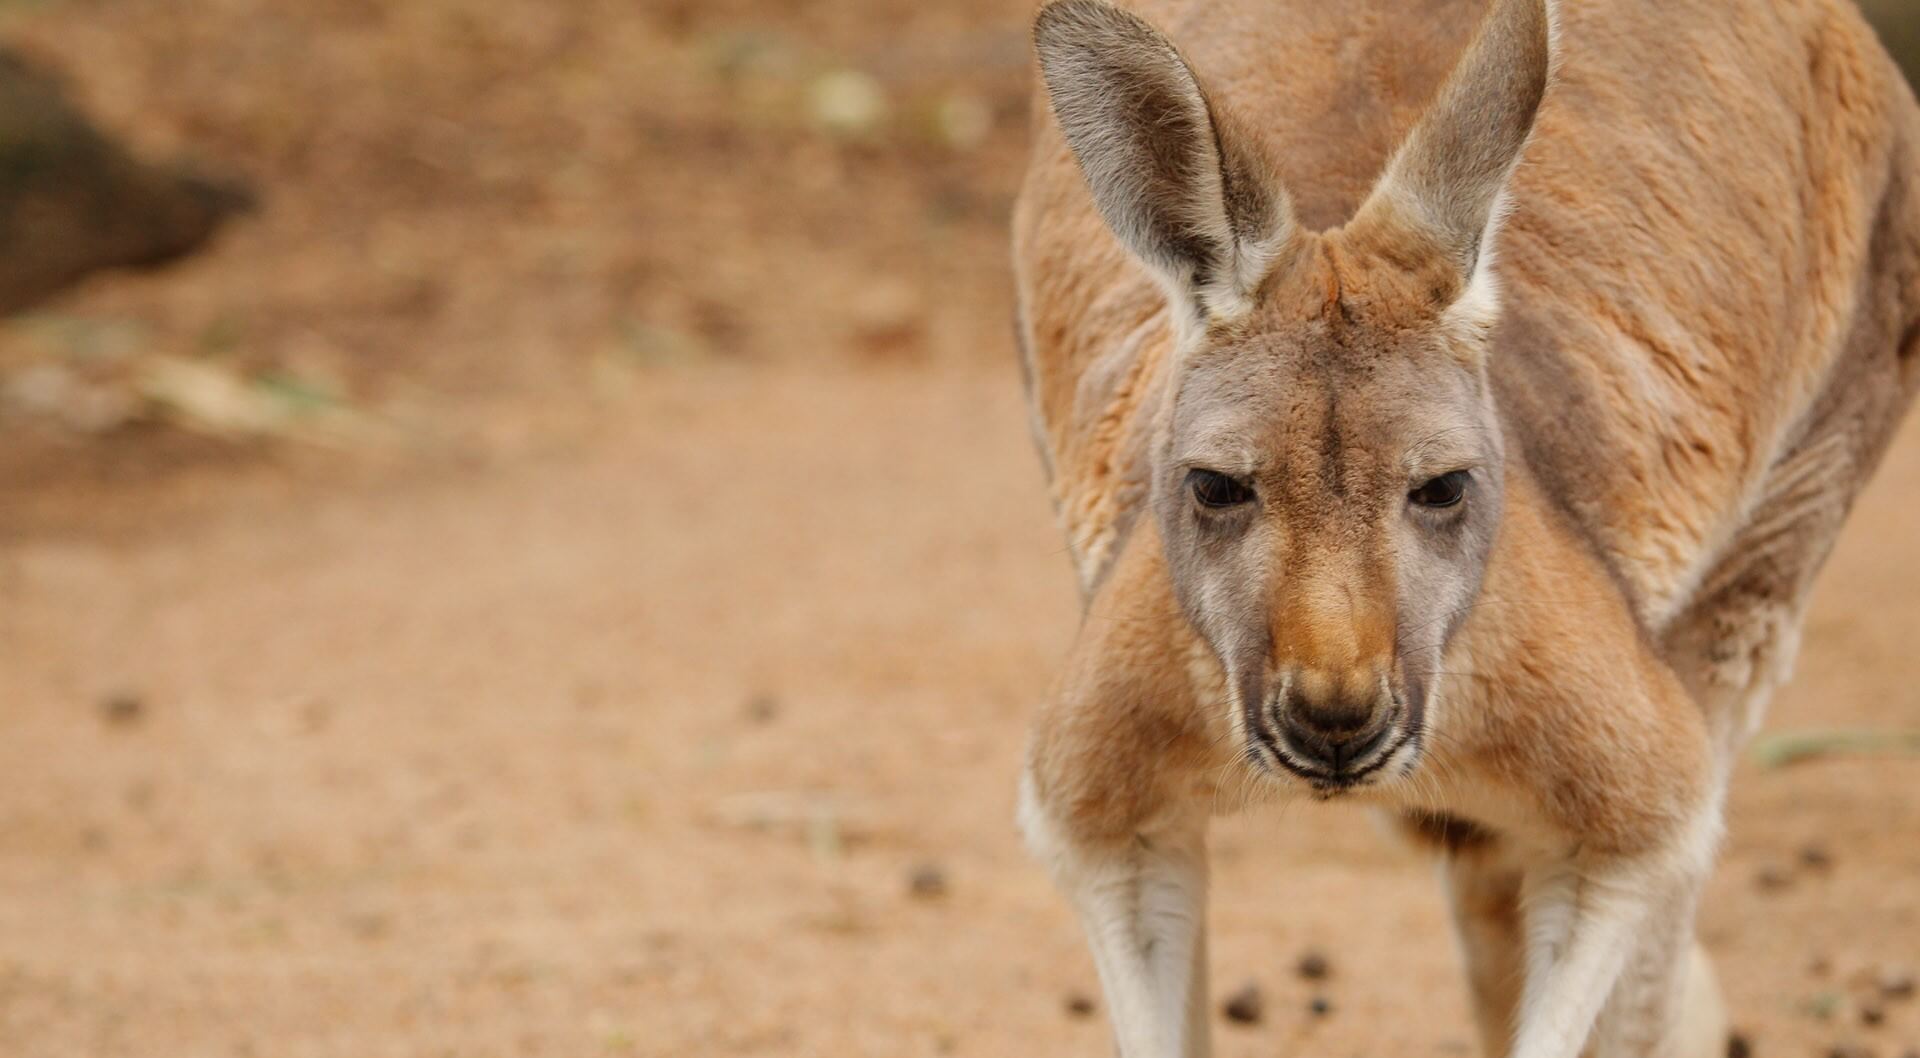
1328 482
1327 495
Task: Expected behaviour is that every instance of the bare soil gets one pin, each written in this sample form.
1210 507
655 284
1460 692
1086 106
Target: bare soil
631 743
689 602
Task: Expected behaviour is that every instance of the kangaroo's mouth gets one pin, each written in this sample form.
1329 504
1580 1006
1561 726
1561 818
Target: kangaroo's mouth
1398 743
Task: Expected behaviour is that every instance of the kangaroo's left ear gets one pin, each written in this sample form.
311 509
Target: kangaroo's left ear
1444 188
1176 182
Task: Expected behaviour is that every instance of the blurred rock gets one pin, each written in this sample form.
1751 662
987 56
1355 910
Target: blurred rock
1739 1046
928 881
763 709
122 708
1320 1006
1313 966
1245 1006
73 202
369 925
210 397
848 103
1894 981
1079 1005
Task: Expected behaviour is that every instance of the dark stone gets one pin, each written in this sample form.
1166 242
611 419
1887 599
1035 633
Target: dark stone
1245 1006
928 881
1815 857
122 708
1772 878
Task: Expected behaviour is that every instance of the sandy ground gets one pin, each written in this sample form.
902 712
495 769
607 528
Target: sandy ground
628 741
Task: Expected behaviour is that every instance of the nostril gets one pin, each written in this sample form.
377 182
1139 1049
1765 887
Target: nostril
1315 742
1333 721
1305 742
1360 748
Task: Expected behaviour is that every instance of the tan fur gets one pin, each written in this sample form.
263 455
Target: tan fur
1704 336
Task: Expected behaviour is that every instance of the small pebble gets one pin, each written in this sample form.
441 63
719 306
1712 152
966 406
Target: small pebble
314 717
369 925
763 708
1079 1005
1816 857
1872 1014
848 103
122 708
1772 878
1739 1046
1314 966
928 881
1895 982
1319 1006
1244 1007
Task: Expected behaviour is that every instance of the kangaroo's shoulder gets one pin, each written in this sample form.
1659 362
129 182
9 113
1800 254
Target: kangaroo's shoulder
1698 264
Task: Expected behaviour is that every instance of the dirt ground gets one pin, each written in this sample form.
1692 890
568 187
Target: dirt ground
680 594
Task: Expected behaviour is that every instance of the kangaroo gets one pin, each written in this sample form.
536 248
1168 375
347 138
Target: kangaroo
1486 491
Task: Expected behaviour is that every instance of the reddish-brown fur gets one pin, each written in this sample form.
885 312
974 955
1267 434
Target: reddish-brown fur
1711 279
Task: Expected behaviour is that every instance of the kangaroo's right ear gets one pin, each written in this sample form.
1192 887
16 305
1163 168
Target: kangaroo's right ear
1183 190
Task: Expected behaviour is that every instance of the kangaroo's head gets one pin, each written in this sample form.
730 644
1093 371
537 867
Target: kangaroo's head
1328 476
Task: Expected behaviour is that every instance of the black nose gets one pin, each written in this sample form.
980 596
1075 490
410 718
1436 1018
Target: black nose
1334 748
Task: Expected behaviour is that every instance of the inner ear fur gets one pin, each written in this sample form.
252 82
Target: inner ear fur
1177 180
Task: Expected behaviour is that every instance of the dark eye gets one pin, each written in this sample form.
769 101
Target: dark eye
1443 491
1214 489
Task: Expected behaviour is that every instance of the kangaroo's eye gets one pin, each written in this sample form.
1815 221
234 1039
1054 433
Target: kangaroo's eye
1443 491
1211 488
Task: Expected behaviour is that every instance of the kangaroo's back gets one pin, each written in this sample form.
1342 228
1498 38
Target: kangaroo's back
1709 270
